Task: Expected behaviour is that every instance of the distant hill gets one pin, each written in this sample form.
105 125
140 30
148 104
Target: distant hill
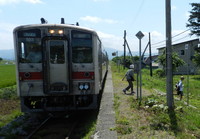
120 53
7 54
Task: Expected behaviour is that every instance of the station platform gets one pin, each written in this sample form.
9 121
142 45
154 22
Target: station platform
106 116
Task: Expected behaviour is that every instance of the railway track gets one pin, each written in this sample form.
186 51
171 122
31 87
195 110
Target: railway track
32 126
60 127
38 127
54 127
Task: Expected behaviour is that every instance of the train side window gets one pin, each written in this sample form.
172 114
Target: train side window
22 50
82 55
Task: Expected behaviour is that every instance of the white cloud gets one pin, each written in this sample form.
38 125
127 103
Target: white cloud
6 41
6 35
156 34
7 27
101 0
111 41
94 19
91 19
6 2
173 7
187 15
33 1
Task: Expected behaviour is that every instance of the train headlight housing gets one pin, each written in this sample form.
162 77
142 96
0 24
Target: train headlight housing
81 87
86 86
56 31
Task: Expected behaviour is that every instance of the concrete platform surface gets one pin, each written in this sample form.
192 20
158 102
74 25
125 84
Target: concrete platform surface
106 116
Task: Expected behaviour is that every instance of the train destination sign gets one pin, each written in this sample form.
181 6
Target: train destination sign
34 33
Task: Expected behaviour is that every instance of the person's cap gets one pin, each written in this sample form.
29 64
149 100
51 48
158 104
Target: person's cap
131 66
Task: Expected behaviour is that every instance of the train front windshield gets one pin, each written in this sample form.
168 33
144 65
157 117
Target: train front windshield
81 47
29 46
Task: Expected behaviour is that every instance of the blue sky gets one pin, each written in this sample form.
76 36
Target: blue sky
108 17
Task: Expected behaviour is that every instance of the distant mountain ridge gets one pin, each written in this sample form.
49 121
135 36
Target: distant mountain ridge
7 54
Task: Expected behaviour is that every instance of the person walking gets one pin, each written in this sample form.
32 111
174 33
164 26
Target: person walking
180 86
130 78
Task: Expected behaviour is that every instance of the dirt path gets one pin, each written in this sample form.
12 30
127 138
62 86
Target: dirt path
7 106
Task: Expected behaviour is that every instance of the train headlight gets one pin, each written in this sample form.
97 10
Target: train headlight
51 31
60 32
86 86
81 86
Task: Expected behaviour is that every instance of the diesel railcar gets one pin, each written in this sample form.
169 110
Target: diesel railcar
60 67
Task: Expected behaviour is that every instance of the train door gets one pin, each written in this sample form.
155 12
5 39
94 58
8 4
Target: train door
57 71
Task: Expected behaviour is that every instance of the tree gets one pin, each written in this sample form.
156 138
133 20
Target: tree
1 59
176 61
194 19
129 60
196 58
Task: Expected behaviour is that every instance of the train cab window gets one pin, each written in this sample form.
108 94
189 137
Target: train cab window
82 55
30 52
29 46
81 47
57 55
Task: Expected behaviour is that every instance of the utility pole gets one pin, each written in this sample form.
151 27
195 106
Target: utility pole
124 48
169 80
187 48
150 58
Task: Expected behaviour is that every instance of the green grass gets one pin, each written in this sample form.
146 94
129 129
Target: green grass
7 75
5 119
8 96
9 93
191 86
182 122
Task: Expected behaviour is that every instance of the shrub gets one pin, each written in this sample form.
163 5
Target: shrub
160 72
8 93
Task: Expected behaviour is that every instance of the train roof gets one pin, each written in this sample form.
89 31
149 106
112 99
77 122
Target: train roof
54 25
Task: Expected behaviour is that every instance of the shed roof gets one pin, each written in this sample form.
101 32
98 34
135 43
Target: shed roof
181 43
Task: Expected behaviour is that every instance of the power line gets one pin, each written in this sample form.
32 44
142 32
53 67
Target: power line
172 37
181 38
158 42
180 33
138 12
162 45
